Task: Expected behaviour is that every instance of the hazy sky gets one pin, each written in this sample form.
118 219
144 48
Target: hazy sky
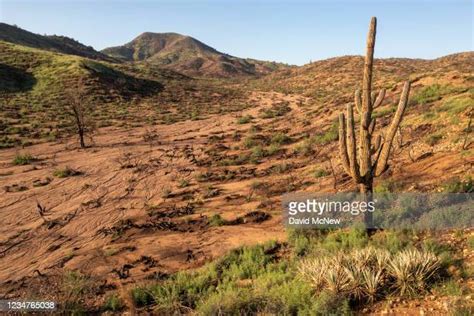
288 31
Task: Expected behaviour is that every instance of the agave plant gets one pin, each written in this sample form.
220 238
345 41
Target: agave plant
411 269
363 274
314 270
337 280
356 279
373 280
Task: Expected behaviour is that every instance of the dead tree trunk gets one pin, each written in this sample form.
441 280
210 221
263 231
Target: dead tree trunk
370 159
80 124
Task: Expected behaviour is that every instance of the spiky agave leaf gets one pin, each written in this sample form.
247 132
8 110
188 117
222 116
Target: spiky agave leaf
373 280
411 269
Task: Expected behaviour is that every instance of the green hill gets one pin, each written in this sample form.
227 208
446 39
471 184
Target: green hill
189 56
54 43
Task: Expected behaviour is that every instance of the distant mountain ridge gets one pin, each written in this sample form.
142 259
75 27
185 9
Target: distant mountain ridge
188 55
54 43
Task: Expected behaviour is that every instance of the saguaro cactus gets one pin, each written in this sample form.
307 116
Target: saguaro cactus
370 159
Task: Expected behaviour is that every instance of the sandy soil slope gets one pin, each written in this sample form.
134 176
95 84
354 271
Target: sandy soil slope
142 202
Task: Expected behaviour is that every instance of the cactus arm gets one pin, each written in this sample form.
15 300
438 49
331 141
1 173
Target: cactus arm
343 144
376 146
358 101
372 126
379 99
351 144
381 165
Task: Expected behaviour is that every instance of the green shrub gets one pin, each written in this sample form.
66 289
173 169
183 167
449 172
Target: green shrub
470 242
428 94
281 139
328 303
141 296
450 287
319 173
23 159
66 172
434 139
216 220
183 183
244 119
455 185
332 134
345 239
457 105
250 142
306 148
257 153
275 111
385 187
305 241
113 303
392 241
273 149
280 168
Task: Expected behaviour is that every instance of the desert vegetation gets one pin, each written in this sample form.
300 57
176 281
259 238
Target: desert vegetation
174 205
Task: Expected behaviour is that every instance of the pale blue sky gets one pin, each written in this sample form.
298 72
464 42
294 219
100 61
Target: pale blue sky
294 32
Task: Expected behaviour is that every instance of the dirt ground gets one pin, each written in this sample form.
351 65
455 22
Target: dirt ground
142 200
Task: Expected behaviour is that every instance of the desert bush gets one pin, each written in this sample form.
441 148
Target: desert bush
75 285
183 183
23 159
244 119
319 173
257 153
141 296
216 220
392 241
8 141
281 168
384 111
470 242
306 148
276 110
281 139
66 172
273 149
456 185
330 135
250 142
113 303
305 241
456 105
386 186
428 94
434 139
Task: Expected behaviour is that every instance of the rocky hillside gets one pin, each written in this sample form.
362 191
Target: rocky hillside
328 79
188 55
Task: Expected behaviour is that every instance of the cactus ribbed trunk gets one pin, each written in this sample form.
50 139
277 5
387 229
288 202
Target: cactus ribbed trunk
366 115
366 190
367 160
